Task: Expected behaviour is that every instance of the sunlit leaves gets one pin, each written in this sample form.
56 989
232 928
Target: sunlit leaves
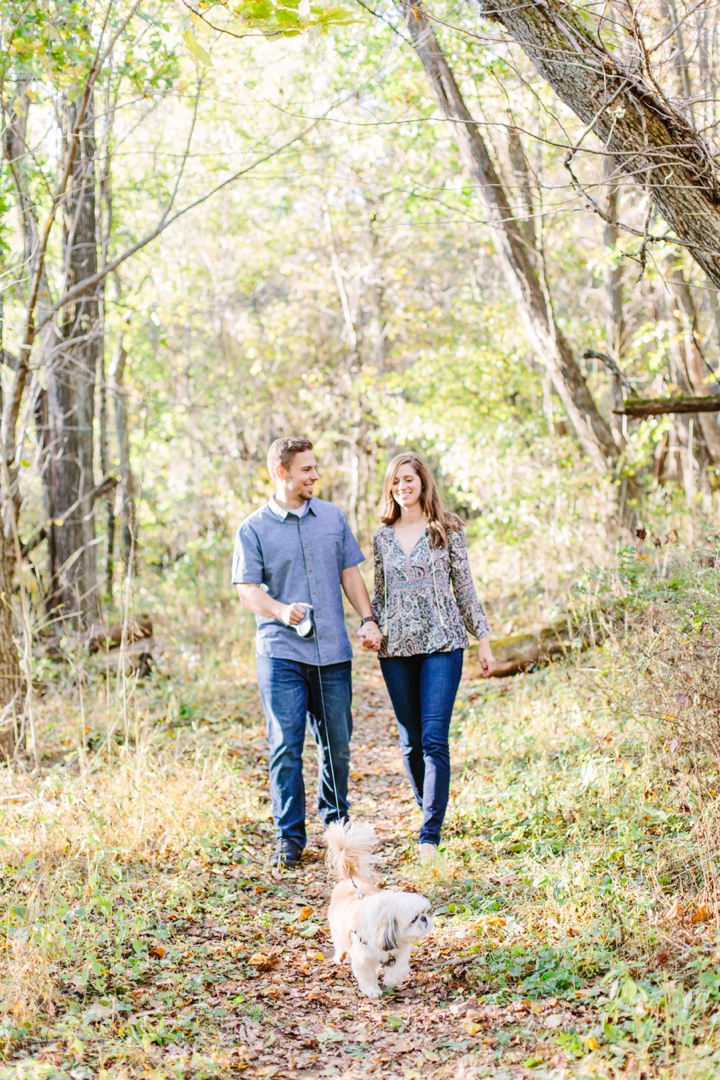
56 42
196 49
282 18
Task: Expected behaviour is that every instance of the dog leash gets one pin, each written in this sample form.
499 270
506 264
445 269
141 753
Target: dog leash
359 895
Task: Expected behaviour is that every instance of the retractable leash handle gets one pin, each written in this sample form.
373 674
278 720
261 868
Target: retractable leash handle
306 628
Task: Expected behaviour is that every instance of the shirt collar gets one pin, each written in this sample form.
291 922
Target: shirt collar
281 512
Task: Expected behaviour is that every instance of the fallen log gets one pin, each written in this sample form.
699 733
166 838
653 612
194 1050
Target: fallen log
643 407
518 652
110 637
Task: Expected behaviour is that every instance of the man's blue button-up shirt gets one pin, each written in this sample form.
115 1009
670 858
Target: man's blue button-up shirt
300 560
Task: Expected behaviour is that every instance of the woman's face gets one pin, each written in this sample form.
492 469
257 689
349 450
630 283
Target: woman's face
406 487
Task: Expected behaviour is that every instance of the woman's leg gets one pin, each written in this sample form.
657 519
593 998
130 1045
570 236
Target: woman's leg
439 681
402 678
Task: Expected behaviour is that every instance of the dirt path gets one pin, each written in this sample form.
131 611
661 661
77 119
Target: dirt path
293 1013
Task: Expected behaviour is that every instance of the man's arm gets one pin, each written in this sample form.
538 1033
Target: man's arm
260 603
354 588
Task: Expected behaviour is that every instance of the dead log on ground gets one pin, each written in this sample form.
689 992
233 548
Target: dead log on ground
518 652
111 637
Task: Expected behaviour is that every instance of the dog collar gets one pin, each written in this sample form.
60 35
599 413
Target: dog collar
391 956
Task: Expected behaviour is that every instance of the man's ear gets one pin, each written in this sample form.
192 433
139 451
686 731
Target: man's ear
280 473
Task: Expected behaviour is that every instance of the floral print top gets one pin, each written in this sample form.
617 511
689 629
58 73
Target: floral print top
413 603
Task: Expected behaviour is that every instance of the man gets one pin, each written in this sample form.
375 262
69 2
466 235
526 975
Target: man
295 553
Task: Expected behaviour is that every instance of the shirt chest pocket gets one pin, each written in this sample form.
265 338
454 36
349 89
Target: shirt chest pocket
321 549
331 547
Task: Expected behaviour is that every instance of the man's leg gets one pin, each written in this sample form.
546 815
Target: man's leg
402 678
330 716
284 691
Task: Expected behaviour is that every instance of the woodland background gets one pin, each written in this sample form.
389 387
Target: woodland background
483 232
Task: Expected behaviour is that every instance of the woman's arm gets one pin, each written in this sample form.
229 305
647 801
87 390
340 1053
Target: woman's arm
470 608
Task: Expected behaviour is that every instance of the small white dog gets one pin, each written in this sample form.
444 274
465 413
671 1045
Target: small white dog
374 927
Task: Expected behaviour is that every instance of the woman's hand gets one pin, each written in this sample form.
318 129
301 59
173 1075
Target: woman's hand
487 660
370 636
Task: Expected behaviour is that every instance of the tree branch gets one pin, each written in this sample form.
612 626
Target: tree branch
164 223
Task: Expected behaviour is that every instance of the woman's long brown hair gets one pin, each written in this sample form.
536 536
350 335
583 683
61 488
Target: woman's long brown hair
440 522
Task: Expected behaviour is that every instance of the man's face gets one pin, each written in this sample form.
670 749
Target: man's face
300 476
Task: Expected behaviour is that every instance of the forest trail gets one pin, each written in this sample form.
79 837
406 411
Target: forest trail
285 1010
179 953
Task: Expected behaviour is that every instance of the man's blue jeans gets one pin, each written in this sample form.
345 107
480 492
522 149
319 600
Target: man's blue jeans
422 689
292 693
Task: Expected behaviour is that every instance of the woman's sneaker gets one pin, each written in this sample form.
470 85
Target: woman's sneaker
428 852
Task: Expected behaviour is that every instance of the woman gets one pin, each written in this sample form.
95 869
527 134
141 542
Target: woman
419 554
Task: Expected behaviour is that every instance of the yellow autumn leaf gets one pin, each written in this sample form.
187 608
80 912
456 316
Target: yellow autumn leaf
305 914
592 1043
703 914
196 48
471 1027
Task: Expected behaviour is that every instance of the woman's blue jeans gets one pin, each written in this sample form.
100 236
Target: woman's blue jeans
422 689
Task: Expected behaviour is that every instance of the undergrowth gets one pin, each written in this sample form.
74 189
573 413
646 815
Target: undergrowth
579 871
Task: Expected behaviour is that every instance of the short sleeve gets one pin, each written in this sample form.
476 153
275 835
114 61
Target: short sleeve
248 564
352 555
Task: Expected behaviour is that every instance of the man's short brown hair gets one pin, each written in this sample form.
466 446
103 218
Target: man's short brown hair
283 451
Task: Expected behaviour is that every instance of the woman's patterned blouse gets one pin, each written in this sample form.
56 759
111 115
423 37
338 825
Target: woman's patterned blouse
413 602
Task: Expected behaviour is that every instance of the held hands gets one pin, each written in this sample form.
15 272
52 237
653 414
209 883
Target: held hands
486 658
292 614
370 636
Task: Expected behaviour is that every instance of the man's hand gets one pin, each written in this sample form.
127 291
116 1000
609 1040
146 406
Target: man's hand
260 603
487 660
292 614
370 636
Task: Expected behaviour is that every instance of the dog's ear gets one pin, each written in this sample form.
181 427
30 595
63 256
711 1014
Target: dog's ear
389 943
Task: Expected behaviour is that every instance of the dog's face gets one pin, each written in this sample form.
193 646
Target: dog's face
396 919
420 920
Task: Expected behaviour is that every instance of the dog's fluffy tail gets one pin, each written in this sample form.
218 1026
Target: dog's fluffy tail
350 847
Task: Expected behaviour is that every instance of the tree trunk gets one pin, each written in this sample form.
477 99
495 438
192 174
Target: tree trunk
67 410
15 152
10 681
685 318
110 497
544 334
523 184
654 144
126 489
615 322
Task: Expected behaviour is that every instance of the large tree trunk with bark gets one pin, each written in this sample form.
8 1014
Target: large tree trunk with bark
10 682
126 490
511 243
653 143
67 409
615 320
15 153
